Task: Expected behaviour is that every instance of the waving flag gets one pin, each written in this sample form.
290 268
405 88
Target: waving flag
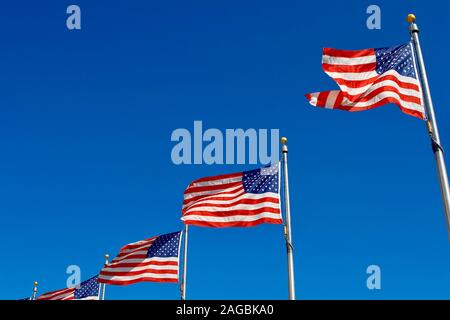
152 260
371 78
241 199
88 290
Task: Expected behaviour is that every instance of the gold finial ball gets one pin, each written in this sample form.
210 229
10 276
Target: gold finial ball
35 283
411 18
106 256
283 140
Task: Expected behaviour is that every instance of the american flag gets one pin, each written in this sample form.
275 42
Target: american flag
87 290
240 199
371 78
152 260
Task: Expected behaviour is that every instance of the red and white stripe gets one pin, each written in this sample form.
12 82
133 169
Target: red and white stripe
221 201
62 294
131 265
362 88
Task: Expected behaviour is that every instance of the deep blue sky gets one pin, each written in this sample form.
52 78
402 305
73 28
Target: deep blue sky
85 125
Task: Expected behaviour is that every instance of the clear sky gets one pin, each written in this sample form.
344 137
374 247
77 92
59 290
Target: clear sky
85 125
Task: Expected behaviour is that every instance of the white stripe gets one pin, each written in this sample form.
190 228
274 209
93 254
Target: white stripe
140 268
188 196
57 292
394 73
227 197
252 196
353 76
139 276
401 77
136 245
369 88
235 218
331 99
348 61
412 106
215 182
59 296
131 250
386 94
158 259
116 259
212 192
249 207
89 298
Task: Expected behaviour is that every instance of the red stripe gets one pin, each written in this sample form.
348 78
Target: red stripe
224 214
212 188
375 80
339 99
136 273
384 101
127 282
142 264
50 295
196 198
348 53
322 98
413 113
231 204
356 68
214 197
219 177
136 245
133 251
210 224
136 256
372 94
356 83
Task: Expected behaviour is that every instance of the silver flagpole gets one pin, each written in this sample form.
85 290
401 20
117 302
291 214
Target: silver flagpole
431 121
33 295
287 226
103 285
183 281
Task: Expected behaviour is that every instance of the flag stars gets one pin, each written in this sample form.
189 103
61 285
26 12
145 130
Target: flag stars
165 246
88 288
398 58
261 180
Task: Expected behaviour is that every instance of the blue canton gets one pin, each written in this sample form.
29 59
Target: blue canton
88 288
261 180
165 246
398 58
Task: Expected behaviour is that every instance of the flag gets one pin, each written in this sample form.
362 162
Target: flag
87 290
152 260
371 78
241 199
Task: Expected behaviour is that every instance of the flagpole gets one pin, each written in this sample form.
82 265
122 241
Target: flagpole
183 281
103 285
287 226
33 295
431 121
